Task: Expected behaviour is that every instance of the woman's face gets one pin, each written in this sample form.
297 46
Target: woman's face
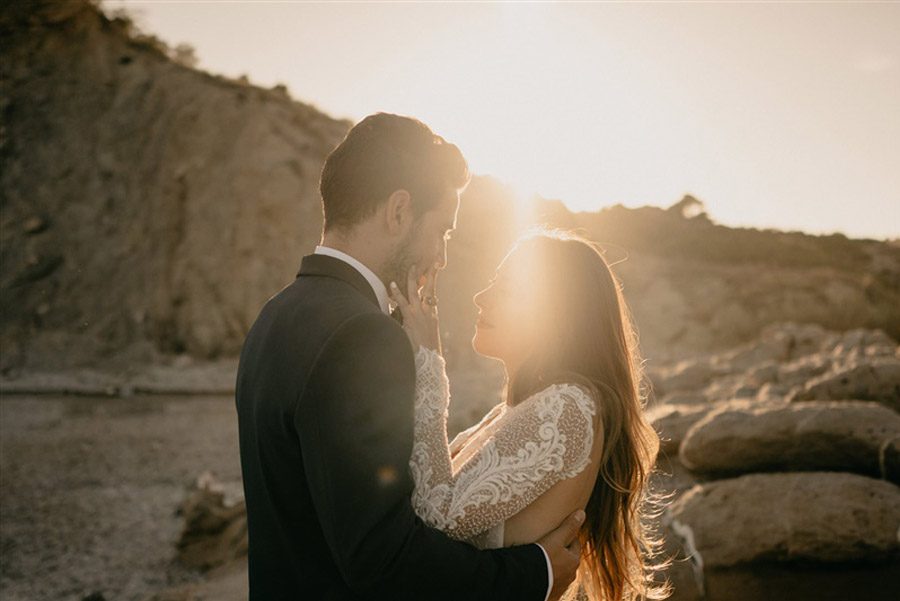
507 312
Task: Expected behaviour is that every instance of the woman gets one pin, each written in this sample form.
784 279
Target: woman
571 432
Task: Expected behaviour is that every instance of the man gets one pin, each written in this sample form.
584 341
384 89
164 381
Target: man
325 394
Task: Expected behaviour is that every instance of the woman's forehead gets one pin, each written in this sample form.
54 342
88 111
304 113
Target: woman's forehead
519 264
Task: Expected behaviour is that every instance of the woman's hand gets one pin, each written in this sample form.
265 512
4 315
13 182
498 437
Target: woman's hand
419 309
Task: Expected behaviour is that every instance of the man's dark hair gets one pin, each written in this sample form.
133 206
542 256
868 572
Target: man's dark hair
384 153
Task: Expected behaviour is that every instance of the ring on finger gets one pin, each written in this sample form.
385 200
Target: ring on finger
431 300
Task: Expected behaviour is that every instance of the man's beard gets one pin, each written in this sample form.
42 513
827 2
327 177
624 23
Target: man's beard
397 267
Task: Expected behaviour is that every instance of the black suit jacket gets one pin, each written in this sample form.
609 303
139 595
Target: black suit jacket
325 392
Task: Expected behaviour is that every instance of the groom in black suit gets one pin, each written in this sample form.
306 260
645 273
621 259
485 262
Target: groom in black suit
325 393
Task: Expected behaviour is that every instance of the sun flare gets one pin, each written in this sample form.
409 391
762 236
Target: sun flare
753 109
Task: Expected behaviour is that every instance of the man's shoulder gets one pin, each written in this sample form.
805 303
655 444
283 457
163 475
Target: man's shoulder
323 299
335 310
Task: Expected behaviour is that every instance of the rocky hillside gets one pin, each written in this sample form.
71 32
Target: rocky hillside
149 209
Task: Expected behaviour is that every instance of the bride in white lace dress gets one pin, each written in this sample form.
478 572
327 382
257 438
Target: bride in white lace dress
571 432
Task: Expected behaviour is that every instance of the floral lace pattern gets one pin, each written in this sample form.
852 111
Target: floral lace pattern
544 439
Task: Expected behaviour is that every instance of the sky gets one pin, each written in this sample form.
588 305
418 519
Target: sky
783 115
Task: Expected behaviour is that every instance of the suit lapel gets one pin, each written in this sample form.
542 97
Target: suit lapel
325 266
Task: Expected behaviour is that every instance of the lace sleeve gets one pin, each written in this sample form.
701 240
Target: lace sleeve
545 439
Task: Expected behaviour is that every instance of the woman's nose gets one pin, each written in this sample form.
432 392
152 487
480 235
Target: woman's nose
478 299
441 261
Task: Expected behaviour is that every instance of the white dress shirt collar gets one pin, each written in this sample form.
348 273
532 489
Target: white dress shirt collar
375 282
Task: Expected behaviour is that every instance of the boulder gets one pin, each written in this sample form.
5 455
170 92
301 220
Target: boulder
774 392
871 380
850 436
817 517
687 376
776 344
801 370
684 398
673 421
215 530
802 582
669 478
864 343
763 373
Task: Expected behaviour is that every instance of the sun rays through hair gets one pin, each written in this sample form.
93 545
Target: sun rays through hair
587 338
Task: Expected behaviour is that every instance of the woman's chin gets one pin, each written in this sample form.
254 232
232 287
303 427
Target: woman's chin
482 346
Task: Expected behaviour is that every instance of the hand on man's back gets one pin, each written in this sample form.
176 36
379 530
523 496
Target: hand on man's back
564 550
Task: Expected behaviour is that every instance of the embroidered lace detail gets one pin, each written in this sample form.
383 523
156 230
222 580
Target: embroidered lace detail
432 386
545 439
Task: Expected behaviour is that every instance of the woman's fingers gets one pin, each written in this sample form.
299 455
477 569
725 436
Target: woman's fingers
431 282
429 296
398 297
412 286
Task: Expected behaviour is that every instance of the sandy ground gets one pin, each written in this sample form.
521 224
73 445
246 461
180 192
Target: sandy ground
89 487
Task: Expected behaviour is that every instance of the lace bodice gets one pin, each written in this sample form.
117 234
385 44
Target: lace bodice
529 448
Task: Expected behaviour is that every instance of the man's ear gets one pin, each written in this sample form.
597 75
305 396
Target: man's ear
398 212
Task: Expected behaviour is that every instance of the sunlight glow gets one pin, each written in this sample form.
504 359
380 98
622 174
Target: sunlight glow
773 115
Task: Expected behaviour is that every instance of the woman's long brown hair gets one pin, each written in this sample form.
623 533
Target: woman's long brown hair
586 336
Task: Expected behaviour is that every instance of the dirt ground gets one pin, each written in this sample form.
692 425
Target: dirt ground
89 489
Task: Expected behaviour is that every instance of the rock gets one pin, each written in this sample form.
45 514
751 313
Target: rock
794 517
774 392
746 391
673 421
670 478
144 230
688 376
215 532
861 342
684 398
37 269
802 338
803 582
872 380
890 460
800 371
764 373
35 224
726 387
686 582
801 436
776 344
771 347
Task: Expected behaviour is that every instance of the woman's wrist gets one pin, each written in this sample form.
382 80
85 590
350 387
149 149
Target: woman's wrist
424 352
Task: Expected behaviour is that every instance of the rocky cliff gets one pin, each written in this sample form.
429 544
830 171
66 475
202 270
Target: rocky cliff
149 209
